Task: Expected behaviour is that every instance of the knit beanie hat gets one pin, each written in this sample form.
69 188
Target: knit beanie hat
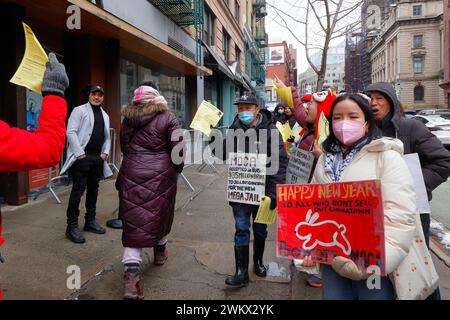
146 94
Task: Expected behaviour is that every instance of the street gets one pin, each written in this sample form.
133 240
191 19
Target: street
200 253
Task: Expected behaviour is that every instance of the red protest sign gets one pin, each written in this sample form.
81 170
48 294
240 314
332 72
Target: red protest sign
328 220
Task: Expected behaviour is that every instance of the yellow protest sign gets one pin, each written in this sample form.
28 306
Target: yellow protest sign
285 94
32 68
285 130
322 129
207 115
265 215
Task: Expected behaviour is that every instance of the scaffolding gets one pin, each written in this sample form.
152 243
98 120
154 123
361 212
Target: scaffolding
185 13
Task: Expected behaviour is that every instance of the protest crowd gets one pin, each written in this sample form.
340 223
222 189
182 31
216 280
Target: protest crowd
347 139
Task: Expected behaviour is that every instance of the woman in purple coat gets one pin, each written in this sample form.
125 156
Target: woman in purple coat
152 147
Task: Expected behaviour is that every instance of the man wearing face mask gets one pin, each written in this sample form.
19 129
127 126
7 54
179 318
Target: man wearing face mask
251 118
88 135
416 138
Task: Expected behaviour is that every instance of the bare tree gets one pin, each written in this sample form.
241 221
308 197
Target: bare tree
322 22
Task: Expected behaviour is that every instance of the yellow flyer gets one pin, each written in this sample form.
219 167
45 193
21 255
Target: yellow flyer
285 94
32 68
207 116
285 130
323 129
265 215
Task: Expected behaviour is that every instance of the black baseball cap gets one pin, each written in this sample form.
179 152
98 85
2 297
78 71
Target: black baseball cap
248 98
97 89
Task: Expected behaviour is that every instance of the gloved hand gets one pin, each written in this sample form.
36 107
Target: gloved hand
55 77
348 269
273 203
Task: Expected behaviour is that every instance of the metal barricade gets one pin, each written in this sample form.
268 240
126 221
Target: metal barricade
51 180
112 154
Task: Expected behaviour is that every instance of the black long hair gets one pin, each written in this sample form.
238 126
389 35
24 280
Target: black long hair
373 132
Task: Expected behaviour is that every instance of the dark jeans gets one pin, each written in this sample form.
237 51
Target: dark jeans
86 174
336 287
242 214
425 219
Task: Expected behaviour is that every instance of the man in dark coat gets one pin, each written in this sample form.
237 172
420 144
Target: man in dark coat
251 118
416 138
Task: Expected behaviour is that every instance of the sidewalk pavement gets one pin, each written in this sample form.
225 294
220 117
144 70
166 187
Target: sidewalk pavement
200 252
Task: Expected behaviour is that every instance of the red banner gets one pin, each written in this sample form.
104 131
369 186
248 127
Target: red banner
328 220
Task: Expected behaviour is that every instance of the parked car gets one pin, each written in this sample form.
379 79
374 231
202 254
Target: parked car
438 125
445 113
410 113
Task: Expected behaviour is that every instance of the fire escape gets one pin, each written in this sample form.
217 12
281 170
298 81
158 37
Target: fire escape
261 39
185 13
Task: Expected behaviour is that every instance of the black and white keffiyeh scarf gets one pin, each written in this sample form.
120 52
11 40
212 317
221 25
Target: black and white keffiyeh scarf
335 164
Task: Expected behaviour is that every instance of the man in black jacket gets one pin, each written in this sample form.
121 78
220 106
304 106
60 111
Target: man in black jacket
416 138
253 122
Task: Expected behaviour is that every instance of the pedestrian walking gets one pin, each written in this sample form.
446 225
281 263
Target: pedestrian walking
89 142
355 151
147 181
21 150
256 122
416 138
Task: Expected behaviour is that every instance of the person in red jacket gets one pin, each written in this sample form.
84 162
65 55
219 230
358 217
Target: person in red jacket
21 150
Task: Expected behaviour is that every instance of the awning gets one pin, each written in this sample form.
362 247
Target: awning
100 23
218 63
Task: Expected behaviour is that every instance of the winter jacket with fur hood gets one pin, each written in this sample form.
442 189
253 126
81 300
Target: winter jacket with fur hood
147 181
416 138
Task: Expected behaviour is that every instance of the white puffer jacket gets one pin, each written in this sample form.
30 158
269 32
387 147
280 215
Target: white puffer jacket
382 159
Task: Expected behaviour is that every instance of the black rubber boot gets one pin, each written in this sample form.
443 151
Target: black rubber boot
240 278
258 253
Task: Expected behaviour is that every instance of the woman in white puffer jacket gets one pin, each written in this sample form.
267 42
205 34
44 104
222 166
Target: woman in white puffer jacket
354 151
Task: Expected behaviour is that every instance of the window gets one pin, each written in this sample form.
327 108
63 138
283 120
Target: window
236 10
419 93
418 41
238 55
417 11
209 27
225 44
418 65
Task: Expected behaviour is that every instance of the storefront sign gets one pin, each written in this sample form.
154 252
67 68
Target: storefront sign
328 220
246 178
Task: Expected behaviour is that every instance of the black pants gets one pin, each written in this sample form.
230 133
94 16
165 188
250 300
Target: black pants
85 173
425 219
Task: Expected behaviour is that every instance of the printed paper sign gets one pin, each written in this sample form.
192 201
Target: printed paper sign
265 215
246 178
328 220
300 166
31 71
207 115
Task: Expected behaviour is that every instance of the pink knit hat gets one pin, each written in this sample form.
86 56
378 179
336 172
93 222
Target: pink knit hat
146 94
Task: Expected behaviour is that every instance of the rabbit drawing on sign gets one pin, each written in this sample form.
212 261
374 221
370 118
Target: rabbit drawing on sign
326 233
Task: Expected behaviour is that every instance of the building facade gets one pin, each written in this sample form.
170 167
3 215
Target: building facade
408 53
334 75
445 85
281 61
116 45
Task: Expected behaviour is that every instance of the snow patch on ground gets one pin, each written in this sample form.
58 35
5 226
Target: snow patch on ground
441 232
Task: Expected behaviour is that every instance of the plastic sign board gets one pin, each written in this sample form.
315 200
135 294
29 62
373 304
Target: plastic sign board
246 178
328 220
